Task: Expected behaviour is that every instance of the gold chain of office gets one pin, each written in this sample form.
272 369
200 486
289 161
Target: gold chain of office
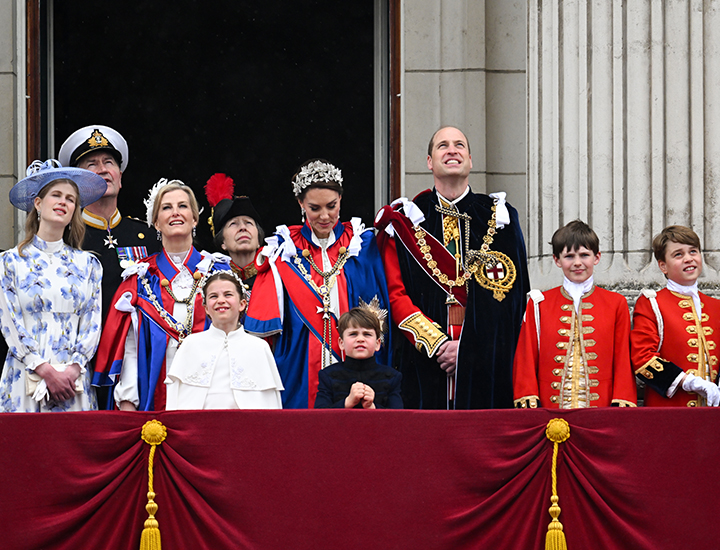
185 328
329 277
476 262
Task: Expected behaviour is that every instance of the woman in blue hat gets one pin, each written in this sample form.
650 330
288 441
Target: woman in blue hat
50 298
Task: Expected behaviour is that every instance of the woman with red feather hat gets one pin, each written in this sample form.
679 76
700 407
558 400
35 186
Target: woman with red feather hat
235 226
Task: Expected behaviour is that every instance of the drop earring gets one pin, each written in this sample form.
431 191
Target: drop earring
159 235
302 210
194 231
38 213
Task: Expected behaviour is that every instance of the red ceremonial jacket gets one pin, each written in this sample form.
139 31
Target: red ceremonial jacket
541 358
679 342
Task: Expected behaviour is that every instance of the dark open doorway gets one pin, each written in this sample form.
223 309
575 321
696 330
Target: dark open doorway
250 89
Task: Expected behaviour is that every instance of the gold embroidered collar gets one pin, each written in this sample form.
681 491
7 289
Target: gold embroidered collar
98 222
244 272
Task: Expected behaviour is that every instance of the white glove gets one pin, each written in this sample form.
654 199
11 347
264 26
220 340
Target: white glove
708 390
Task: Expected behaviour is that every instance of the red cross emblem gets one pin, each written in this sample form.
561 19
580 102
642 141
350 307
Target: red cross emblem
496 273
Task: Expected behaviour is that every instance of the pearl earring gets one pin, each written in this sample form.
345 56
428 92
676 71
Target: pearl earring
302 210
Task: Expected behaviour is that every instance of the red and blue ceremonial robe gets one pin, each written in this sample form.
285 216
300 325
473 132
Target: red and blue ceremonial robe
286 306
146 306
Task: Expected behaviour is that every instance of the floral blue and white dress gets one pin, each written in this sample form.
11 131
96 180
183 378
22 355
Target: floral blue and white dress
50 310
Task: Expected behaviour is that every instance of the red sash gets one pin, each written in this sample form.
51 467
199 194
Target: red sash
307 302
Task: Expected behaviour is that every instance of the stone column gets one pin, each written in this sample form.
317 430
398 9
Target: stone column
623 130
464 66
12 113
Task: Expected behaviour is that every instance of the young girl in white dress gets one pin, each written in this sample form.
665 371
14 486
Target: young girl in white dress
50 298
223 367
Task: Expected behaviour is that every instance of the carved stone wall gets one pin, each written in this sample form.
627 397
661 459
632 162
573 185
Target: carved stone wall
623 130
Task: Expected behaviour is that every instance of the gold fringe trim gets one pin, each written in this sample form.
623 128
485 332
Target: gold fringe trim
153 433
557 431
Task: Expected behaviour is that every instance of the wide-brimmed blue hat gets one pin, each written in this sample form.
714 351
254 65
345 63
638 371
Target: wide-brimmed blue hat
39 174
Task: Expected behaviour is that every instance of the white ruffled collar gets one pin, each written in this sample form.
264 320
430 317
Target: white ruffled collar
691 290
577 290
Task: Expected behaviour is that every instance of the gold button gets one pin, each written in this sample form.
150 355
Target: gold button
141 235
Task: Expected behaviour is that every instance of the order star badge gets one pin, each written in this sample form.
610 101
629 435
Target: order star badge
110 241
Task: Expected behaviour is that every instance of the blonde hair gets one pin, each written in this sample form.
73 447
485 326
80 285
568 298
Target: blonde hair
175 187
74 232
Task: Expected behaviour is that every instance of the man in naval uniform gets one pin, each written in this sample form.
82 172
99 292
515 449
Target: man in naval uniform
457 279
117 240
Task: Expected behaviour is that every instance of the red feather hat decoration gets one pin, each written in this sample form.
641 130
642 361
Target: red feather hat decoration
219 187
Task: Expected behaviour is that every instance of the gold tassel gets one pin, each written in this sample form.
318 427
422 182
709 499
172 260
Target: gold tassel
557 431
153 433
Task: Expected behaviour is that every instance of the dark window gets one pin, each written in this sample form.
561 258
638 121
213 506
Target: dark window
250 89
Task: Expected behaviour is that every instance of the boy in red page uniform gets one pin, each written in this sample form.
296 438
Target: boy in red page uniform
673 342
574 346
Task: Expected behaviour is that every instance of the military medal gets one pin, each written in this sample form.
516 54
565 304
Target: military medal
110 241
129 255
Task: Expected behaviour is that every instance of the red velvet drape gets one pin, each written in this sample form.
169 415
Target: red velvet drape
627 479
